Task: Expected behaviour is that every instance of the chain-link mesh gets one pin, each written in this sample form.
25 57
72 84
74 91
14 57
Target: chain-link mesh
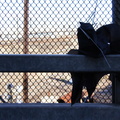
48 27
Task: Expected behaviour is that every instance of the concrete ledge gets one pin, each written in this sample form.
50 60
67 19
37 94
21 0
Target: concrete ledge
59 112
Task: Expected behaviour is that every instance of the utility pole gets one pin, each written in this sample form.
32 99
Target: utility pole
25 50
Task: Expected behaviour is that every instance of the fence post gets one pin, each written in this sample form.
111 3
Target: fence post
25 51
116 77
116 11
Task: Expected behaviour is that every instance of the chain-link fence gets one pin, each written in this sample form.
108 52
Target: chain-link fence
48 27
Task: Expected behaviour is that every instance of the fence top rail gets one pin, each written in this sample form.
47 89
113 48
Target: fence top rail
57 63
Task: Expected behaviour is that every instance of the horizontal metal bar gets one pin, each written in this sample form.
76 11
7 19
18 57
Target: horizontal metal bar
62 111
57 63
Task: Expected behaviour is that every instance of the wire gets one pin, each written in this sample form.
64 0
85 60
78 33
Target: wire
92 16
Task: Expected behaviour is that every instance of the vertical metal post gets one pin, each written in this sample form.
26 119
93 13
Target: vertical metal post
116 76
116 11
116 88
25 50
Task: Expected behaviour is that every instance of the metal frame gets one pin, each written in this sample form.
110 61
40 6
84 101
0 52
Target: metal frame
57 63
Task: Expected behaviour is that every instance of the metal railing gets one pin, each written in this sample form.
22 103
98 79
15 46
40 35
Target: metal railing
48 27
